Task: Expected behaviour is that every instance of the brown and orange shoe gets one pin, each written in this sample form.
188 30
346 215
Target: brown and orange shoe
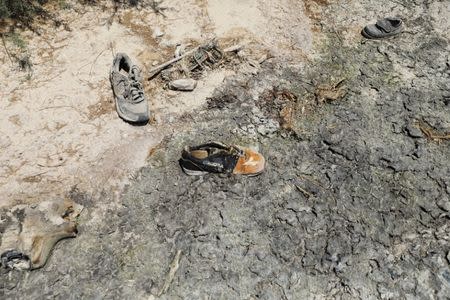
216 157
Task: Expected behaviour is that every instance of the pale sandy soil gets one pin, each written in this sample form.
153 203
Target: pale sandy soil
58 125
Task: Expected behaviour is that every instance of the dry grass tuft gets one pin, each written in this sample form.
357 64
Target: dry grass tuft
330 92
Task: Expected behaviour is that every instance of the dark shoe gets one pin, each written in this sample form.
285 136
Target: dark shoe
13 259
131 104
384 28
219 158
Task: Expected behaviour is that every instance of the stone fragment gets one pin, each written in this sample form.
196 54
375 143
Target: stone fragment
157 32
268 129
413 131
444 204
186 84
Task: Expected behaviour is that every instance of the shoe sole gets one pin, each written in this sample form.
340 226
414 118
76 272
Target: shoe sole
254 174
123 116
367 36
134 121
201 173
194 172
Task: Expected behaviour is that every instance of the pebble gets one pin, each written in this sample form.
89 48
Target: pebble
186 84
414 131
268 129
157 32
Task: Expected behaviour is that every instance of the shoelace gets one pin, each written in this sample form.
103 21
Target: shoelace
136 89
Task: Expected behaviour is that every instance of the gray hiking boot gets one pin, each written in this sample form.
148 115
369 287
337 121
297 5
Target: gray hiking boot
383 28
131 103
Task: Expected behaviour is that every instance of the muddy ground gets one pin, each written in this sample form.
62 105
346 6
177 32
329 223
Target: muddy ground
354 204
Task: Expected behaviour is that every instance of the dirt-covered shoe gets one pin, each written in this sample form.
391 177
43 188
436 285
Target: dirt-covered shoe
13 259
131 103
383 28
28 233
216 157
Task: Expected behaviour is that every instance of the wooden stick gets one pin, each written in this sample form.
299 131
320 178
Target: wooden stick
169 278
235 48
6 49
153 72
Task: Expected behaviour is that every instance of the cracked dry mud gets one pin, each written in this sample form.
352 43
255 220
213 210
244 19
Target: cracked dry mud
355 201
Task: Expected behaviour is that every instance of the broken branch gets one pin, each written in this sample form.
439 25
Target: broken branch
173 269
155 71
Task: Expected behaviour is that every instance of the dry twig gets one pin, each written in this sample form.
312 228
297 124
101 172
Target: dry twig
6 49
431 134
155 71
156 6
173 269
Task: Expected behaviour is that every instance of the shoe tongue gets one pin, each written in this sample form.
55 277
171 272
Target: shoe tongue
214 151
199 154
135 73
385 24
135 91
117 76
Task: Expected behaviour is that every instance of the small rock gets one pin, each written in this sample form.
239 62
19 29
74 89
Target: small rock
410 236
448 257
333 138
249 129
258 120
186 84
287 216
179 50
444 204
414 131
256 111
268 129
157 32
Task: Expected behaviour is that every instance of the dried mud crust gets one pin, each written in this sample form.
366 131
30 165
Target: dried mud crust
354 202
